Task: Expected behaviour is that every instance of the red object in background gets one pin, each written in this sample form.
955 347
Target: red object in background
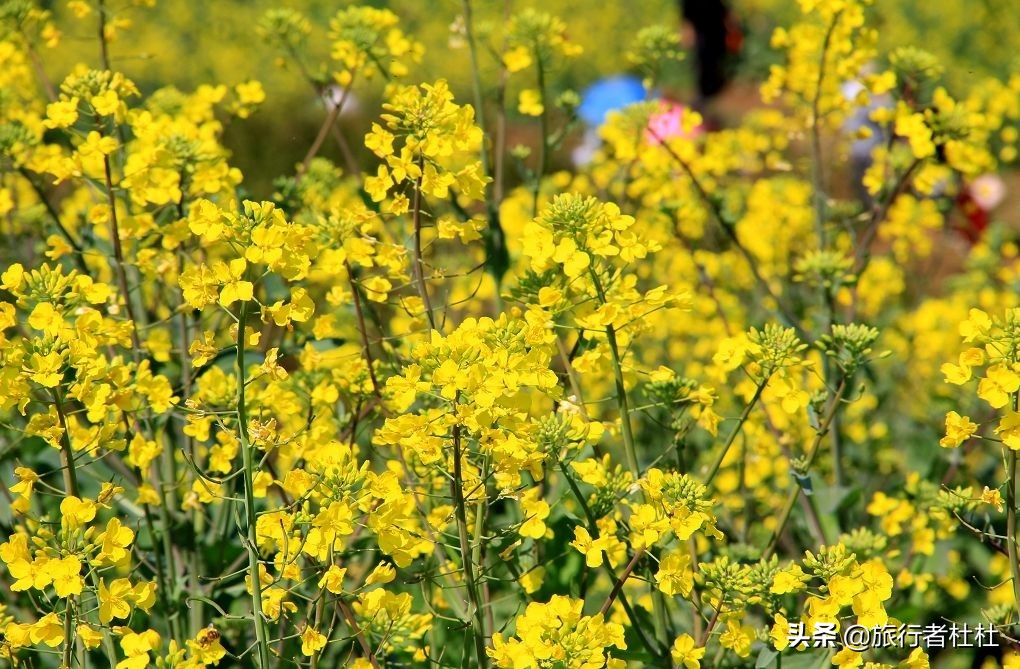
734 35
976 218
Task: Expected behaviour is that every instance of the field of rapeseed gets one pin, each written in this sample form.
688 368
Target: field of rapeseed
341 335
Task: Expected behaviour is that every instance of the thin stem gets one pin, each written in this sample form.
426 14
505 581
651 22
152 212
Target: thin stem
807 503
40 73
71 486
118 255
497 257
791 499
630 449
445 569
696 616
476 78
816 138
51 210
544 125
320 605
499 150
621 390
419 270
66 452
327 125
728 230
1011 538
622 403
573 381
366 350
68 633
593 529
167 542
104 51
711 624
862 254
358 634
195 609
821 214
261 631
736 430
162 589
618 586
460 506
478 548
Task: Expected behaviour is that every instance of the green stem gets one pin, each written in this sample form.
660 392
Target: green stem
544 124
319 606
366 349
68 634
622 403
791 499
66 452
327 126
71 488
478 546
261 632
55 216
163 588
497 257
348 616
419 269
630 450
736 430
118 255
621 390
593 529
166 503
1011 538
104 52
195 606
460 505
730 231
816 139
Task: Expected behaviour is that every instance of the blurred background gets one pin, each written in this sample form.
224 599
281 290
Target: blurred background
187 43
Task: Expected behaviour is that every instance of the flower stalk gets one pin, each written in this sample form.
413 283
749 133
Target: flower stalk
248 458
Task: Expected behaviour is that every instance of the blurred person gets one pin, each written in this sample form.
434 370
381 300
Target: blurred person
713 32
976 198
865 134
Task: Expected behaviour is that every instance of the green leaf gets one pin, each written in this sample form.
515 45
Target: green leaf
766 658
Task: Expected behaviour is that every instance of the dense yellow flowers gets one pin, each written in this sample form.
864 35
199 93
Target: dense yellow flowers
432 133
556 634
368 42
451 405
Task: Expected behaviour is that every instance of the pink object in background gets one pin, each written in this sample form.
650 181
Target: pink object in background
988 191
670 122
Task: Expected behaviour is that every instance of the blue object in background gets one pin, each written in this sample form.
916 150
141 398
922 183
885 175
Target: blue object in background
607 95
